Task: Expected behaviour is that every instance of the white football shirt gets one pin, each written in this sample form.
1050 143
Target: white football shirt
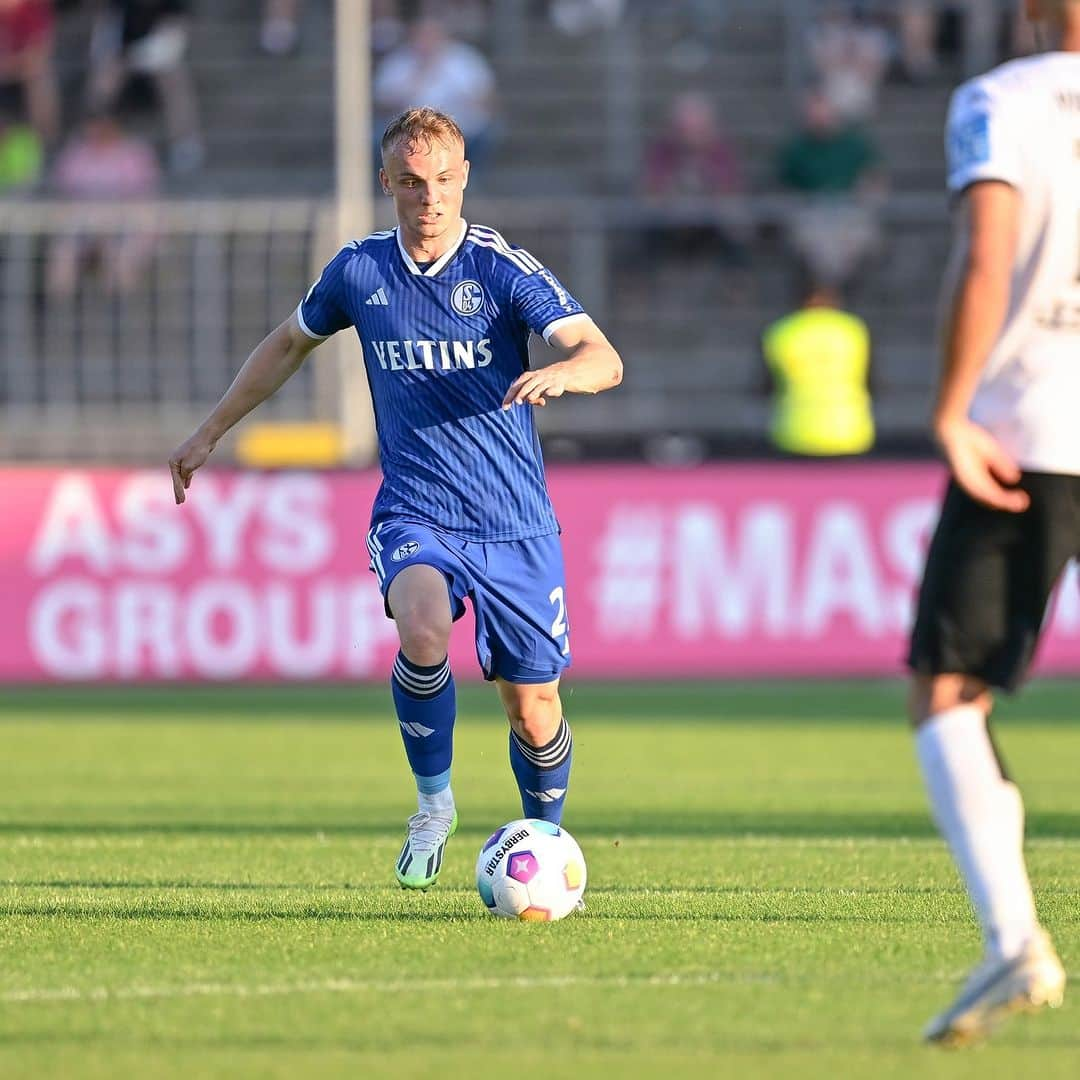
1020 123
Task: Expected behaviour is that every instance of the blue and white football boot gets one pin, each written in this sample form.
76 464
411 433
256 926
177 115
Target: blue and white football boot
421 855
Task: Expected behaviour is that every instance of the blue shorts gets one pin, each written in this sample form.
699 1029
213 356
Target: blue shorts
517 589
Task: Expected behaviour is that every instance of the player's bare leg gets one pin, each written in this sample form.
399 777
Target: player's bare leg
533 709
981 815
420 604
541 746
424 696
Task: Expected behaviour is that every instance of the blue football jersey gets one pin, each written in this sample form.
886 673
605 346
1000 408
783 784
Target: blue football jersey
442 346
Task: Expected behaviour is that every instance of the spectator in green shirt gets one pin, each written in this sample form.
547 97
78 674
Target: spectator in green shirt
827 156
835 168
21 156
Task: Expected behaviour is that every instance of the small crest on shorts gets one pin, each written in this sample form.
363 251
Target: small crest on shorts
467 297
406 550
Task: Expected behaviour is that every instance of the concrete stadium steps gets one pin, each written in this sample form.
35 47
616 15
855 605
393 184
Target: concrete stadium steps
268 123
631 414
268 119
728 417
274 118
551 62
694 358
556 96
269 128
556 102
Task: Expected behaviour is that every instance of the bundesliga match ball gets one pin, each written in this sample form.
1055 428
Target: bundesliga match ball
531 870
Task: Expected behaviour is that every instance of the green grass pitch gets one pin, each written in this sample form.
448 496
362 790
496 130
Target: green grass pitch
199 883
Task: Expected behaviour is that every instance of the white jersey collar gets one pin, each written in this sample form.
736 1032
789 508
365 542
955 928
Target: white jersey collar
440 262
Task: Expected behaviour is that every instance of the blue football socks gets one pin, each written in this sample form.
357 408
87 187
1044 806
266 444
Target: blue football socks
543 773
426 703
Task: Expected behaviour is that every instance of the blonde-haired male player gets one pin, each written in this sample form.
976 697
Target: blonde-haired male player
1006 419
444 311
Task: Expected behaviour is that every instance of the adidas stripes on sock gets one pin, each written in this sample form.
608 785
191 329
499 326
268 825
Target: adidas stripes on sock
543 773
426 703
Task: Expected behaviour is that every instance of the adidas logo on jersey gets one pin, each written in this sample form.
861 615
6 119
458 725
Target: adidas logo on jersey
378 298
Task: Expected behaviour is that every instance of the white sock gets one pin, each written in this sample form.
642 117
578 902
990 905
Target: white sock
441 804
1014 813
981 817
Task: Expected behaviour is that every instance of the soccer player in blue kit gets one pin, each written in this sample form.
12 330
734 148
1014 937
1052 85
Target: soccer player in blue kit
444 311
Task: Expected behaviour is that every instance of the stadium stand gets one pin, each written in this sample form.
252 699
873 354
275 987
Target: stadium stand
565 181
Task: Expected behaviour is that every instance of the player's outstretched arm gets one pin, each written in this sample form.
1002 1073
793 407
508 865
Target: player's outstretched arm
588 364
275 358
975 305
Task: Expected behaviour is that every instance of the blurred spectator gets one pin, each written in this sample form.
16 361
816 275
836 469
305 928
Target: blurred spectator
21 155
836 165
917 30
693 159
849 56
828 155
819 360
103 162
585 16
468 19
26 60
387 27
279 34
431 68
150 37
977 29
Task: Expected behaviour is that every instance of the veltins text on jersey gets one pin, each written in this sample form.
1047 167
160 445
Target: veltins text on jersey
432 355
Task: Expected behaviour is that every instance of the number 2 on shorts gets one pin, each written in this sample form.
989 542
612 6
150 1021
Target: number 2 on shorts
559 629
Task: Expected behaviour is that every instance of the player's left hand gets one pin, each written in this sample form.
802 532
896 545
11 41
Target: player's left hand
185 459
981 465
535 387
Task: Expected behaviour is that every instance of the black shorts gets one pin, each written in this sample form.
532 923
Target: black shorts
988 577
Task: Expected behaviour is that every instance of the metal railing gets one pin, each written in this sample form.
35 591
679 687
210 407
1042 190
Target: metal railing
120 322
111 372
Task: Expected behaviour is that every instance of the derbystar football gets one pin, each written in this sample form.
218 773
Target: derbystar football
531 870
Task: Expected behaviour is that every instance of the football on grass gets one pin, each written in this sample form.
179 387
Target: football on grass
531 870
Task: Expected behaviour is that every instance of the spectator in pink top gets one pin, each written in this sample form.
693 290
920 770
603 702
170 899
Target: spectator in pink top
103 162
26 60
693 160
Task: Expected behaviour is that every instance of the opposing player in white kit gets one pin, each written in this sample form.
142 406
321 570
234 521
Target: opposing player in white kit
1006 421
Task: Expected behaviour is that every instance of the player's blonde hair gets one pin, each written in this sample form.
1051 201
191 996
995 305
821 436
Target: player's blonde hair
420 126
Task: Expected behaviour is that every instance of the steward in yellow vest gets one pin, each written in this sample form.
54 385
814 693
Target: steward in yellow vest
819 357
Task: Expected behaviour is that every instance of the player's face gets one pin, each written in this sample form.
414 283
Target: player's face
427 182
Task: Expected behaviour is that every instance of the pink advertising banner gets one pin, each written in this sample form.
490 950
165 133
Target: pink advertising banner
727 570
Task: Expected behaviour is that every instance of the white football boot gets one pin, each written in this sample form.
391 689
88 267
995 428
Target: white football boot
996 990
421 856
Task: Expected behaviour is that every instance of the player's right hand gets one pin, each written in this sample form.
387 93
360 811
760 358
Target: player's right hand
981 466
185 459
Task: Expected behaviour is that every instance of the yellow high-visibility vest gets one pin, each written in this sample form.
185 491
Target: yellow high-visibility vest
819 358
